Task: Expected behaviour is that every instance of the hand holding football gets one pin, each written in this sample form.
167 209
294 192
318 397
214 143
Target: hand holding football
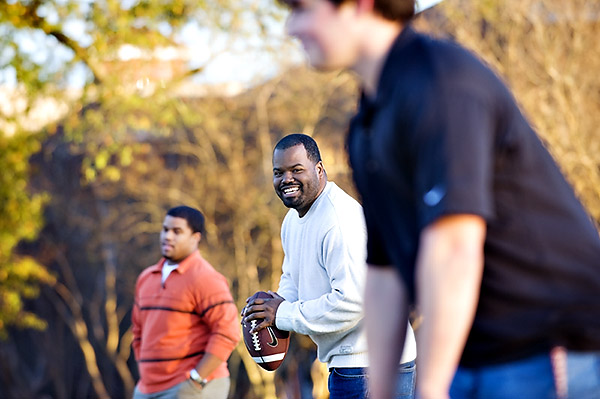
269 345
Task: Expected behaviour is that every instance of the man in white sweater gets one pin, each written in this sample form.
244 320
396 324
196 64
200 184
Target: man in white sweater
324 269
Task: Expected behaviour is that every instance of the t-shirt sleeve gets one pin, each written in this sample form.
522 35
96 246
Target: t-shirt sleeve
454 159
376 253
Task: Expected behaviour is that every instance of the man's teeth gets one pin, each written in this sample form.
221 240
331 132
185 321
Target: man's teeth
289 190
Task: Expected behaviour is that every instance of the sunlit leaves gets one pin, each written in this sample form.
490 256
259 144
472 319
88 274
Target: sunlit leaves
20 219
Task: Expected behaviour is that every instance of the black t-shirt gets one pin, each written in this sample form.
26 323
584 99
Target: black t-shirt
445 136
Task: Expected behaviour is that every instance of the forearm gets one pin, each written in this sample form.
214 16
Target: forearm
208 364
385 329
225 331
333 312
338 310
449 270
224 336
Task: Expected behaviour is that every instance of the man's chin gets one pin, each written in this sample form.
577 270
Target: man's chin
323 65
293 204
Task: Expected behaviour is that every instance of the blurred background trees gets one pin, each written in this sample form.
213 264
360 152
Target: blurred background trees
548 54
107 121
20 219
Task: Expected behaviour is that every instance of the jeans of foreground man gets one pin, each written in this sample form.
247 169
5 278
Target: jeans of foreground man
566 375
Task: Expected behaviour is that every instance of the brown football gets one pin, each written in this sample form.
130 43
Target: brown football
269 346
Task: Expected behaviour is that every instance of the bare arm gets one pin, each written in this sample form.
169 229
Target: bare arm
448 277
208 364
384 291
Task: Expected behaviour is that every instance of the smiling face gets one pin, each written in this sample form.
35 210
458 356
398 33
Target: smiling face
326 32
177 240
297 180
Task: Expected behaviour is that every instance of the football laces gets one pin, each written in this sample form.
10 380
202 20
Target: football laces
255 340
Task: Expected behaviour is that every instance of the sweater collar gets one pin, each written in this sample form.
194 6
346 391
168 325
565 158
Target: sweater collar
315 204
185 264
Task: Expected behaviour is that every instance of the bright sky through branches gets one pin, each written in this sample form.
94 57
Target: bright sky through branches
247 59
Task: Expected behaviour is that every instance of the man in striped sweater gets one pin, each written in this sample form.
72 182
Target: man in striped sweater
185 322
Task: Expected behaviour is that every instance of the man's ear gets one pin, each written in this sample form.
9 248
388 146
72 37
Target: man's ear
365 6
198 235
320 169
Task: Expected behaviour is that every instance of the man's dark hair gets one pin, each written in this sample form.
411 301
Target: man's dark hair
194 218
393 10
310 145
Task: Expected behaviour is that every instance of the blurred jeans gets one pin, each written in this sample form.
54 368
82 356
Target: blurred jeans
351 383
532 377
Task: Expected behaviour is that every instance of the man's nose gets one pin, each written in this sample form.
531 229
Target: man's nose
291 25
287 177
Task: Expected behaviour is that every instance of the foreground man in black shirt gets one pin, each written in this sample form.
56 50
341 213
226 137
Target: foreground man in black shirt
468 216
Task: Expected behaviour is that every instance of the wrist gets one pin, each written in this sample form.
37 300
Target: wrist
194 376
431 394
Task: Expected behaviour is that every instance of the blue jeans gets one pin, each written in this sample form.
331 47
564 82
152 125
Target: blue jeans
352 383
532 377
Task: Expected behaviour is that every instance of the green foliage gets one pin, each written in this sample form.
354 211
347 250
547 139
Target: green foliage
41 44
20 219
109 127
55 48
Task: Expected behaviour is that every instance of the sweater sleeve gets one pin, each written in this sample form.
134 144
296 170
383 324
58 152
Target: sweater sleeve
221 315
341 308
287 288
136 327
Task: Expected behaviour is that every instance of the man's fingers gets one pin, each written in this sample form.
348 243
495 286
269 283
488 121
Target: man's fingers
254 308
275 295
257 301
255 314
260 326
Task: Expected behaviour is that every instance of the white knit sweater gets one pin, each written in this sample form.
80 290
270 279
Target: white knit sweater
323 277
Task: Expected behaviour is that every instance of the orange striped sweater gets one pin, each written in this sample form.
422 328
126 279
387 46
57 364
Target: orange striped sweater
176 323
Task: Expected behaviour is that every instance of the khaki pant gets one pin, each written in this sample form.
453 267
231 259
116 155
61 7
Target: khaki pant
214 389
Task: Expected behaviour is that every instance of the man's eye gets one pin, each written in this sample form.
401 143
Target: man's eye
299 6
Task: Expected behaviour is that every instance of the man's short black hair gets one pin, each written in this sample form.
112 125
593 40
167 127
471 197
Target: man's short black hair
194 218
310 145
